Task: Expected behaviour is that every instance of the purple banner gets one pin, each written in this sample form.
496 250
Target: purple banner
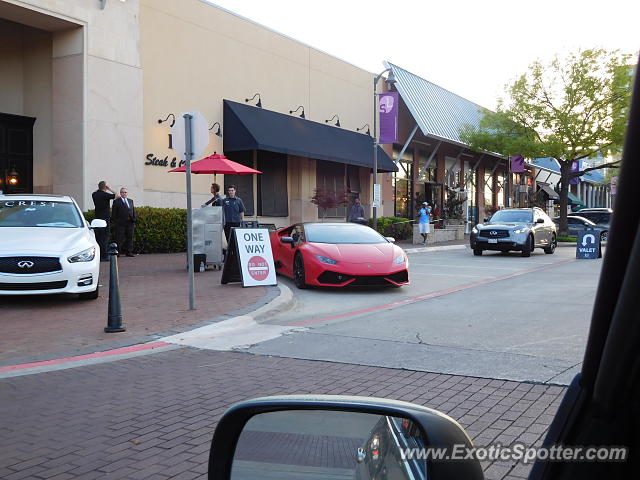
575 167
517 164
388 109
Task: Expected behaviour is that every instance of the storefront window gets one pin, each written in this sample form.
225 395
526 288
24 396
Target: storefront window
243 183
488 193
331 177
426 174
402 184
273 199
500 186
470 180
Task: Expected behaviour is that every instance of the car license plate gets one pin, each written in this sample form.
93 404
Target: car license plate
493 240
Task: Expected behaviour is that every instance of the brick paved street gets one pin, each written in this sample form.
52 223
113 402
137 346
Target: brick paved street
154 295
153 416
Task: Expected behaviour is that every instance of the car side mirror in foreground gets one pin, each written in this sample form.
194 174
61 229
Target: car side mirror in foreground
328 436
98 223
287 239
391 239
540 220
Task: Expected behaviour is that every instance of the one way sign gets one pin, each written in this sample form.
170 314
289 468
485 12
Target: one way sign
588 245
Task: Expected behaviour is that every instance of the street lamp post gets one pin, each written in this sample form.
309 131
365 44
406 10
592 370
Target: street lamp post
391 80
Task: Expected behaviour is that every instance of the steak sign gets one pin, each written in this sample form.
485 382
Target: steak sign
256 258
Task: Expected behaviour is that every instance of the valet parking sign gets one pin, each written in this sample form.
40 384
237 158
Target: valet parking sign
256 258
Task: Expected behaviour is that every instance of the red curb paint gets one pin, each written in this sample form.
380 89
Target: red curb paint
108 353
439 293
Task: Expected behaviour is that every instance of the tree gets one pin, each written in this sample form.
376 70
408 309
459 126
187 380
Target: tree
325 199
573 108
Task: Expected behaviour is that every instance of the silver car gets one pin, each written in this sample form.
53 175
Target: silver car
518 229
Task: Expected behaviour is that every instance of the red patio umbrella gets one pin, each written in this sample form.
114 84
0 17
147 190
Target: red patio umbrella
215 164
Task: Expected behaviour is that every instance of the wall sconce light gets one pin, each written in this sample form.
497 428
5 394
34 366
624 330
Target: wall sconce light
300 107
337 124
362 128
259 104
217 132
173 122
13 177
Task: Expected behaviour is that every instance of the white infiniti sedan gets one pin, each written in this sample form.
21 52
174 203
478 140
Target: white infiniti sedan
47 246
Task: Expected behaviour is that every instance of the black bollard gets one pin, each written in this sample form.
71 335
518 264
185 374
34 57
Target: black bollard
114 320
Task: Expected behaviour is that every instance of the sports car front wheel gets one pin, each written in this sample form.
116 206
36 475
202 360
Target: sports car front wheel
298 272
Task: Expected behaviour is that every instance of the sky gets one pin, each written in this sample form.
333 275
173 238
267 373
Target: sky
470 47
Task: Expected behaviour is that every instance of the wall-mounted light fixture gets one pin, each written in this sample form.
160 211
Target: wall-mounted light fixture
337 124
173 122
294 111
259 104
362 128
12 177
219 131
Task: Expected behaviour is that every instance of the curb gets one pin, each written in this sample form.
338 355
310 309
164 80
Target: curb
152 343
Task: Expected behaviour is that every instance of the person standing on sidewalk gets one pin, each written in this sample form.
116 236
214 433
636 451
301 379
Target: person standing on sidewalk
356 212
216 200
232 211
123 214
102 204
423 222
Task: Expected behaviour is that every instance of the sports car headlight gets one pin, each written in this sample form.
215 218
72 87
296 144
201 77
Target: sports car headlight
520 230
324 259
474 230
84 256
399 260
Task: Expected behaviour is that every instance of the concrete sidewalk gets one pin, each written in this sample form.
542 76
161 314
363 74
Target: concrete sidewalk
155 303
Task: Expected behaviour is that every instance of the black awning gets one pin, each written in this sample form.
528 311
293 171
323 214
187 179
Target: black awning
551 193
253 128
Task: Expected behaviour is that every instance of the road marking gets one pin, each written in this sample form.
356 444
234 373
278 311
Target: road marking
446 274
485 267
428 296
68 362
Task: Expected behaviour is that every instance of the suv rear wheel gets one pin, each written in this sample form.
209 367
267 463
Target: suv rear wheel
552 246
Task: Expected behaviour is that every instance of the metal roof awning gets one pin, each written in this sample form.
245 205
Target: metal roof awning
438 112
252 128
551 193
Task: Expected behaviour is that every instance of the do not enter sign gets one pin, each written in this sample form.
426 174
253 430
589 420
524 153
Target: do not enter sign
256 258
258 268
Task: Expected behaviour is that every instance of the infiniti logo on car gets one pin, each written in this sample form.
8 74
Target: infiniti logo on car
25 264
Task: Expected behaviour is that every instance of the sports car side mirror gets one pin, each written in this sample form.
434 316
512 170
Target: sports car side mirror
98 223
391 239
287 239
337 436
540 220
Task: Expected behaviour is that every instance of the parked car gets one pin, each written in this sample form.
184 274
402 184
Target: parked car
519 229
577 223
599 216
338 255
47 246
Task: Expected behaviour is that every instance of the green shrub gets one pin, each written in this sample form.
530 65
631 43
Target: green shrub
158 230
567 239
397 227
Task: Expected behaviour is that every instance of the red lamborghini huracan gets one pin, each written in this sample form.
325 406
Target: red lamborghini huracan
337 255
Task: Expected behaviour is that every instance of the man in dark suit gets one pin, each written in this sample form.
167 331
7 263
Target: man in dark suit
102 202
123 215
